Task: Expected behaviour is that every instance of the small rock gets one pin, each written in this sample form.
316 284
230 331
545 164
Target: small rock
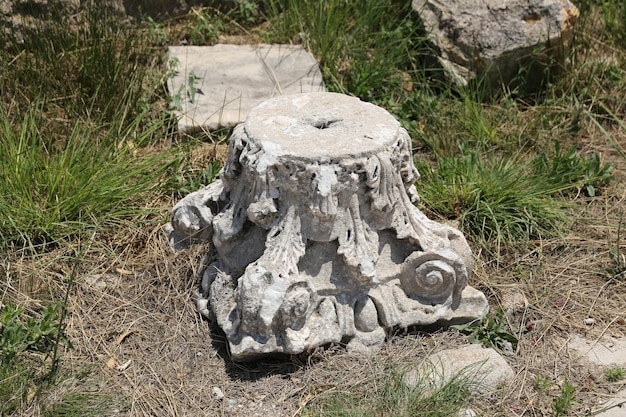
100 282
607 351
466 412
514 301
507 348
589 321
203 307
483 369
217 393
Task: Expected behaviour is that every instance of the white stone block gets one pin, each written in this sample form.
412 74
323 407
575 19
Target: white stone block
216 86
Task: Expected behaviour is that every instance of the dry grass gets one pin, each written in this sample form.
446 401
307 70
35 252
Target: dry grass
144 350
135 328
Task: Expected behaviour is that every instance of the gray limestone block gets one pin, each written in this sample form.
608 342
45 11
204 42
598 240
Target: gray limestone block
217 86
495 39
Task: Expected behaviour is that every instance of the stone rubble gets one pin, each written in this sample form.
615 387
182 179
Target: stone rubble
607 352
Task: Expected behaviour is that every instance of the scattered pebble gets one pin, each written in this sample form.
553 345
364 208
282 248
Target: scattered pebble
507 348
217 393
514 301
203 306
589 321
124 366
466 412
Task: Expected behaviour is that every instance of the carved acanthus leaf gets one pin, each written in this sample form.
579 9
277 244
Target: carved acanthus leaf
285 244
359 243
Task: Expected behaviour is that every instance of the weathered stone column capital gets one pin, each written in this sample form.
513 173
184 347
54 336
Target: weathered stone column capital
316 235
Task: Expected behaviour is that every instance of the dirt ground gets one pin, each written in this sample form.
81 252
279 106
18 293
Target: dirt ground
140 344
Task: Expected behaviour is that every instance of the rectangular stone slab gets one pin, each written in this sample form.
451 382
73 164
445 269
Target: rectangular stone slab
216 86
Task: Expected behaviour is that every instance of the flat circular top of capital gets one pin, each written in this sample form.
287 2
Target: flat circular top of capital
321 125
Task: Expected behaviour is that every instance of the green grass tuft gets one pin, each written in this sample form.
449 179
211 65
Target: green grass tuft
365 48
53 187
27 350
496 199
89 64
614 374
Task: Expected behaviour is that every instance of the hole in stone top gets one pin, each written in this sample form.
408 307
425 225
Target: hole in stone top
324 124
531 18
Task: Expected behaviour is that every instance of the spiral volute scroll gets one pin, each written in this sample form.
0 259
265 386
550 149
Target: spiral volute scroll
434 277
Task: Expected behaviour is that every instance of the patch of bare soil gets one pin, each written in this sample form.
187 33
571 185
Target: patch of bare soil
140 345
137 336
134 324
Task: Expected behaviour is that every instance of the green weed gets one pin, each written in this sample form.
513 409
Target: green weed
503 199
206 26
365 48
21 336
493 332
496 199
541 383
55 186
618 269
157 33
186 92
612 118
75 403
564 402
246 11
570 170
18 335
480 128
614 17
88 69
190 180
614 374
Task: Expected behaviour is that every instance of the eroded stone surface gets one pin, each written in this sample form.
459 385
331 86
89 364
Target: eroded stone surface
316 235
216 86
494 38
614 407
606 351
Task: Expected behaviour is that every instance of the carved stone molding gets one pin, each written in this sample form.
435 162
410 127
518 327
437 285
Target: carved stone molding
316 236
